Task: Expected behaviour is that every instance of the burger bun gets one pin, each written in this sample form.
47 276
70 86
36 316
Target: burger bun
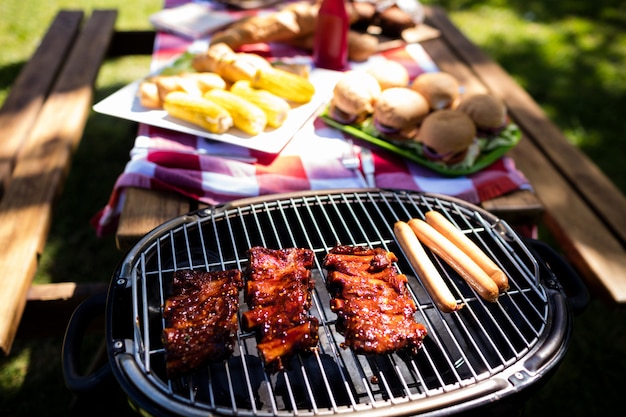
488 113
389 74
440 89
398 112
446 136
354 97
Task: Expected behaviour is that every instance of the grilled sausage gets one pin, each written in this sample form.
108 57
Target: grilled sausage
424 268
453 234
457 259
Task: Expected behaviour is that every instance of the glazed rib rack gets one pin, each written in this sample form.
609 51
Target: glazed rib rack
476 352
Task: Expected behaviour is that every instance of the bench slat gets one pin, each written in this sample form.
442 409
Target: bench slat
49 307
30 89
587 243
42 164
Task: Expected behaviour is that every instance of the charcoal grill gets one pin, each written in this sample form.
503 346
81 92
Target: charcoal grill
477 356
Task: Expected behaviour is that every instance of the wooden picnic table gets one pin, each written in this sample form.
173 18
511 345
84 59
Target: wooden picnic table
575 201
571 196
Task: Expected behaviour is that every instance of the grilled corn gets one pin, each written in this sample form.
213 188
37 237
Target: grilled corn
199 111
201 82
246 116
284 84
275 108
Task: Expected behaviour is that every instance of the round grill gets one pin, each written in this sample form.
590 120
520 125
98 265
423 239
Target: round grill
470 357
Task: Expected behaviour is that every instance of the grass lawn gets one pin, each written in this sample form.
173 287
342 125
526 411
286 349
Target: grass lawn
569 55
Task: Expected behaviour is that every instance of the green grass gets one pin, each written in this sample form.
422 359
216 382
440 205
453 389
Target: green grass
569 55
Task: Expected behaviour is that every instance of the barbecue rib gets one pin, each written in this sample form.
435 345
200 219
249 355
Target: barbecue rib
201 319
278 293
374 308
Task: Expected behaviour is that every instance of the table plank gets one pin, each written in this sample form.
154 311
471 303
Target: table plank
144 210
43 161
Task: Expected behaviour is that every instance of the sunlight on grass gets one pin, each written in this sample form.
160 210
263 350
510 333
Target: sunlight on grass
21 28
121 71
13 373
46 263
579 135
506 31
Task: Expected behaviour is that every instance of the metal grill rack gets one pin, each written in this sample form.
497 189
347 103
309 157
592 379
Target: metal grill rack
468 354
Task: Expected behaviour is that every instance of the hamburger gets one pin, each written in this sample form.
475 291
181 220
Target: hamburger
446 136
440 89
398 113
389 74
488 112
354 97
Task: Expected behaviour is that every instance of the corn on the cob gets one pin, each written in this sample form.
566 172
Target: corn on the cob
284 84
201 82
246 116
275 108
199 111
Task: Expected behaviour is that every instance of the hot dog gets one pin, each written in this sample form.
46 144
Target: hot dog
424 268
453 234
457 259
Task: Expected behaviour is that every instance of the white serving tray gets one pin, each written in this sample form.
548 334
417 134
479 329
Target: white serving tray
125 104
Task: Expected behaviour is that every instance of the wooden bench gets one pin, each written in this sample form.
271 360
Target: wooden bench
41 125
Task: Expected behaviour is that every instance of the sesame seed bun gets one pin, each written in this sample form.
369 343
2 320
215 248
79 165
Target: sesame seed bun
398 112
440 89
389 74
354 97
446 135
488 112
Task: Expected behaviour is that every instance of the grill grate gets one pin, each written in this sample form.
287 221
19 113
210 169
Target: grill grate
463 350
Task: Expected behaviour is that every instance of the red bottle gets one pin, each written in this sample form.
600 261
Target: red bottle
330 49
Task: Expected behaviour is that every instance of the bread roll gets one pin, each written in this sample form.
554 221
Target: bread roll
148 94
354 97
488 113
389 74
398 112
442 90
446 136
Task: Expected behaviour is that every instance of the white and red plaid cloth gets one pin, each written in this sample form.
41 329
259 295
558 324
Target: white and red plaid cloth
214 172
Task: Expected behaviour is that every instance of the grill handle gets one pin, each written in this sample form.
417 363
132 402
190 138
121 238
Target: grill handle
575 289
82 317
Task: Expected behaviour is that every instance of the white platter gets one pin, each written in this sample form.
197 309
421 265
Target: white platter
125 104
